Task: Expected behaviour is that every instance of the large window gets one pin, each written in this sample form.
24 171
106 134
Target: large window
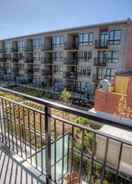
114 37
110 73
58 41
8 44
21 44
111 56
85 55
86 39
84 71
100 73
38 43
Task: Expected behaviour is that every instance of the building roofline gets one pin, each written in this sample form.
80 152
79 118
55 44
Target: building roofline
125 21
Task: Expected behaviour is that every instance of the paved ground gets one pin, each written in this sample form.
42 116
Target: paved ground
12 172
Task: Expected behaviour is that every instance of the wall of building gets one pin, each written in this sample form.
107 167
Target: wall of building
86 70
129 47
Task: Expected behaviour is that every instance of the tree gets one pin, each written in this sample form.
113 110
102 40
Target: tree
66 97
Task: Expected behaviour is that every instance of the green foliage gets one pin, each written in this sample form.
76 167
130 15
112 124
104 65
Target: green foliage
48 95
82 121
66 97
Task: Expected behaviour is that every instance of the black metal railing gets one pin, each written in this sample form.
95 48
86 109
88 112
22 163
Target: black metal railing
72 46
40 132
28 49
2 50
70 75
99 61
101 44
70 61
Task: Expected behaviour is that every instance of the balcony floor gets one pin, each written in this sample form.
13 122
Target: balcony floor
12 171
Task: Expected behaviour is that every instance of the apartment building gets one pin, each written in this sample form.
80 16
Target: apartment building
75 58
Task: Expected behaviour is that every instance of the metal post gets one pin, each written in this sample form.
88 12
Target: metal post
48 146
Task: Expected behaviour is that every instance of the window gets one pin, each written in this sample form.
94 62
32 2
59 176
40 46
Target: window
37 43
86 55
21 44
58 41
100 73
8 44
85 71
114 37
110 73
58 85
111 56
89 54
57 55
86 39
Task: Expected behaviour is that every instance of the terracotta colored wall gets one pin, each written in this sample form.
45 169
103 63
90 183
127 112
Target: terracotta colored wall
112 103
129 54
115 103
100 100
107 102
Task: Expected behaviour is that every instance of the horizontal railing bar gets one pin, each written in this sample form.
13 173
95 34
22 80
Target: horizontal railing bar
70 109
22 105
82 127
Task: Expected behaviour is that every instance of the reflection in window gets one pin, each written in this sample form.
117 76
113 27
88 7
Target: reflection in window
114 37
21 44
85 55
86 38
8 44
111 56
58 41
101 73
110 73
37 43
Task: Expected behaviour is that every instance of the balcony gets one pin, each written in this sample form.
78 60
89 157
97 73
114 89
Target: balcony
28 58
70 75
48 48
100 62
2 50
70 61
39 146
14 49
28 49
47 60
47 72
101 44
71 47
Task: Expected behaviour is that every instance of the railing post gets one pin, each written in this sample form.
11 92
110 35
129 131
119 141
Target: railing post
48 145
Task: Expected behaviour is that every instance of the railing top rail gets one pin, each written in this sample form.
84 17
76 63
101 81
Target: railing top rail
79 112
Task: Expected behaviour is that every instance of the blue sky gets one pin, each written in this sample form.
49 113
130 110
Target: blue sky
20 17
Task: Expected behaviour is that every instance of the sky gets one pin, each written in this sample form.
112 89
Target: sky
22 17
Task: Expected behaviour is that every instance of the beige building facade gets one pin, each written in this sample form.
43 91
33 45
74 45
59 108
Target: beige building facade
75 58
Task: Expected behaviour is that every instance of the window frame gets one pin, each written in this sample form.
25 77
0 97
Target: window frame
84 41
114 40
38 43
110 74
58 41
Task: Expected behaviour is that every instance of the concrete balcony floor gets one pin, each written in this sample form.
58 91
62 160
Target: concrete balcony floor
13 171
